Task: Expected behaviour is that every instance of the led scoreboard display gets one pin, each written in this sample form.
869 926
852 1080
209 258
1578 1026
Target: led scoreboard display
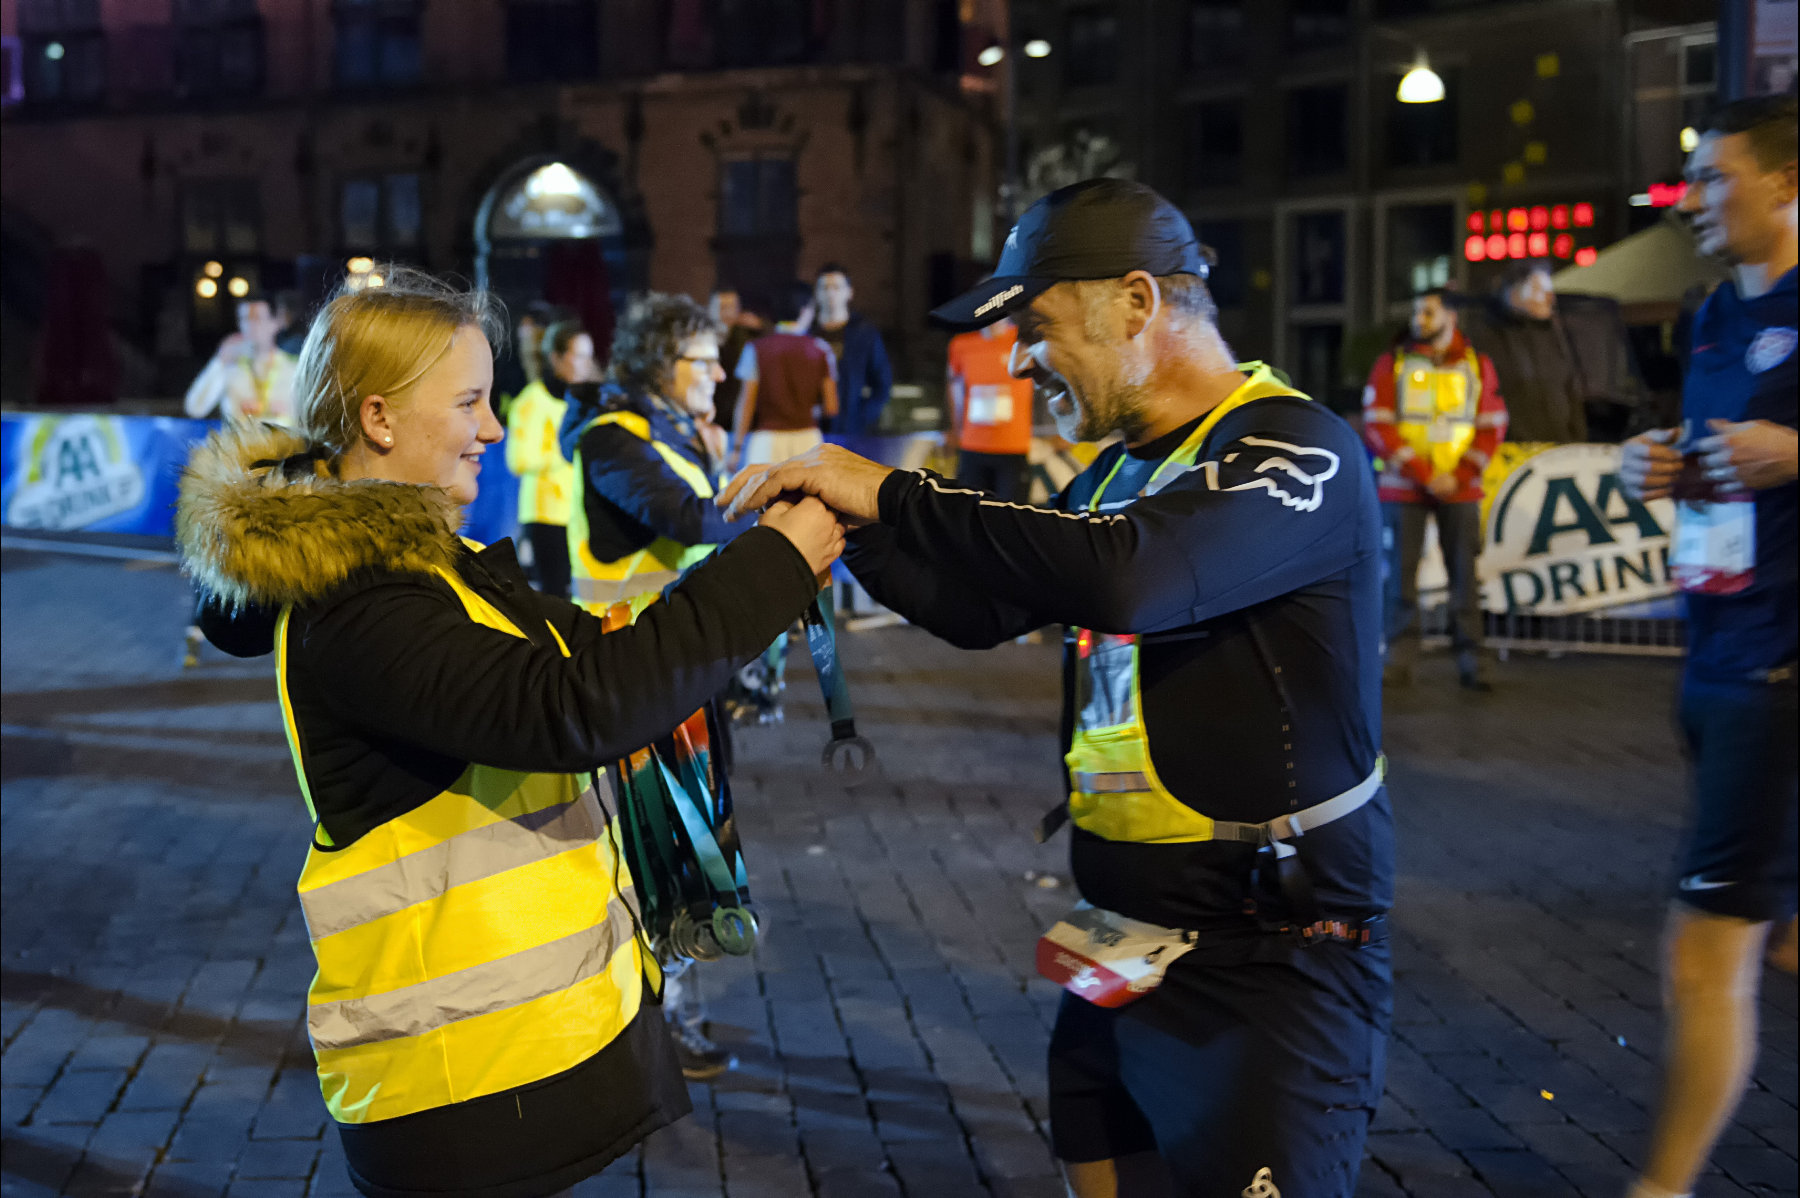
1542 231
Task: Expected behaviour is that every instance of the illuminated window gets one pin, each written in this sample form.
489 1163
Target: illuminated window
553 201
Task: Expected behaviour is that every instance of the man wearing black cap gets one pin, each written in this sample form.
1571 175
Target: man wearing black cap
1219 575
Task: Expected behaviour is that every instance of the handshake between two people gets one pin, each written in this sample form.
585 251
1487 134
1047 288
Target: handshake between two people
811 499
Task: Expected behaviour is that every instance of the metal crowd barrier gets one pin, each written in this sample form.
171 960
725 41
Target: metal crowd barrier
1520 632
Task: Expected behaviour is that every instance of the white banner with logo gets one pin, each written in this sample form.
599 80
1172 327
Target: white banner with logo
1563 538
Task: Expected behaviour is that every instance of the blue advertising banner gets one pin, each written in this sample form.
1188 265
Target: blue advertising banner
92 472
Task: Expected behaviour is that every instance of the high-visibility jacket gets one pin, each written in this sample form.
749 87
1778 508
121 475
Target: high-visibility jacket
597 585
1430 417
471 945
546 478
1115 792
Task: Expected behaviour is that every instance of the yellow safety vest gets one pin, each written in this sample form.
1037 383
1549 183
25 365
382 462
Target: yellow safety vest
1435 407
546 479
1115 792
474 944
644 573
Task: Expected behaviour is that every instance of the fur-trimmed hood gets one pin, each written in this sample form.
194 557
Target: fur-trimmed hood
262 521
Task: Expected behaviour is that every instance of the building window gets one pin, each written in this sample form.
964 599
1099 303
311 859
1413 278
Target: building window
381 214
144 60
1318 24
220 216
755 33
1215 33
1215 149
1314 357
1229 271
1317 129
218 47
1093 57
63 51
1699 82
551 39
1421 244
1318 256
1423 134
759 223
377 42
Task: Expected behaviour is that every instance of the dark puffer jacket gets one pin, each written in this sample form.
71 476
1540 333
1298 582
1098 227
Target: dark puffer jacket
395 691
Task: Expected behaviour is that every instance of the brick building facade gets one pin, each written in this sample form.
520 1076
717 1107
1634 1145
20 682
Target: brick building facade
731 141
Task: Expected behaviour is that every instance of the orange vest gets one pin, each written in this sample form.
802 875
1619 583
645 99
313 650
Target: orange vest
995 413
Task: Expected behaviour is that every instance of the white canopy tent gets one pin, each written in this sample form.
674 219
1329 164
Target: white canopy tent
1658 265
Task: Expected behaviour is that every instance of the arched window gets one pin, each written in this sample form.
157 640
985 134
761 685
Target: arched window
553 201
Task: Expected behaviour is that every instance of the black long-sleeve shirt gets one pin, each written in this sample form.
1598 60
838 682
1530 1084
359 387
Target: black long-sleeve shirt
1253 582
395 690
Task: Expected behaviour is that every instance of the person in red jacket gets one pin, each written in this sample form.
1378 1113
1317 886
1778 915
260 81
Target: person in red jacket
1432 411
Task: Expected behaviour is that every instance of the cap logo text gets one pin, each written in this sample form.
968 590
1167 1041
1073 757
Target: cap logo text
1011 292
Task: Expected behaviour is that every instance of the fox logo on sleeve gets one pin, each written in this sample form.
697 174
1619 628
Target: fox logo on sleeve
1293 474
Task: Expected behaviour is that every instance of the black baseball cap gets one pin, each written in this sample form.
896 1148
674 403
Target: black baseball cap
1095 229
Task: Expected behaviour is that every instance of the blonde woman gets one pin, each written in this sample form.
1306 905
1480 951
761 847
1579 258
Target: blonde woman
483 1016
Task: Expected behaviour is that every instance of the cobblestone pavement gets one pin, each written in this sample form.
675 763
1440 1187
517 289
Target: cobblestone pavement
890 1029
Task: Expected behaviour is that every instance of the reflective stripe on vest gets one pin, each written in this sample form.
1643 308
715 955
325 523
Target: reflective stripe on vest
1436 407
471 945
1115 792
597 585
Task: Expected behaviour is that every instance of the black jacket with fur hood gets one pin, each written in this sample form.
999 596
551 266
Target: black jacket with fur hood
397 690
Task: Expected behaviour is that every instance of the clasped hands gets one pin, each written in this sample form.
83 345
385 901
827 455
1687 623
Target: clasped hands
811 499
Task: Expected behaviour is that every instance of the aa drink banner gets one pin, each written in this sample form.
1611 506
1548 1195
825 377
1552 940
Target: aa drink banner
88 472
1563 538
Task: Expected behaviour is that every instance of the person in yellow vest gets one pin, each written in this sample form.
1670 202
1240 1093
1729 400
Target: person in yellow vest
647 456
1432 412
1219 573
484 1013
534 453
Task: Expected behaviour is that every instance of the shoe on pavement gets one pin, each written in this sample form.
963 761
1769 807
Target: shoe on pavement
1472 681
700 1059
190 656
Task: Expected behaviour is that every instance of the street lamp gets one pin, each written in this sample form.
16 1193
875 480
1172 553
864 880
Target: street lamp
1421 85
992 55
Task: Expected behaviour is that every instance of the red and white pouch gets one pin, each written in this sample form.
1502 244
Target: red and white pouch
1107 959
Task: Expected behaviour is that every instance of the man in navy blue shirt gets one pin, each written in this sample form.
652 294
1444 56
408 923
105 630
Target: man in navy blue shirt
1731 467
1218 570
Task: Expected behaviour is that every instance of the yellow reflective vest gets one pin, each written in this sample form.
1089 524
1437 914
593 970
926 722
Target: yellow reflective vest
1115 792
1435 407
642 574
546 478
474 944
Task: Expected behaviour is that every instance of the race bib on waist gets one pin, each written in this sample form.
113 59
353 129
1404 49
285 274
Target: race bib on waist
990 403
1107 959
1715 545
